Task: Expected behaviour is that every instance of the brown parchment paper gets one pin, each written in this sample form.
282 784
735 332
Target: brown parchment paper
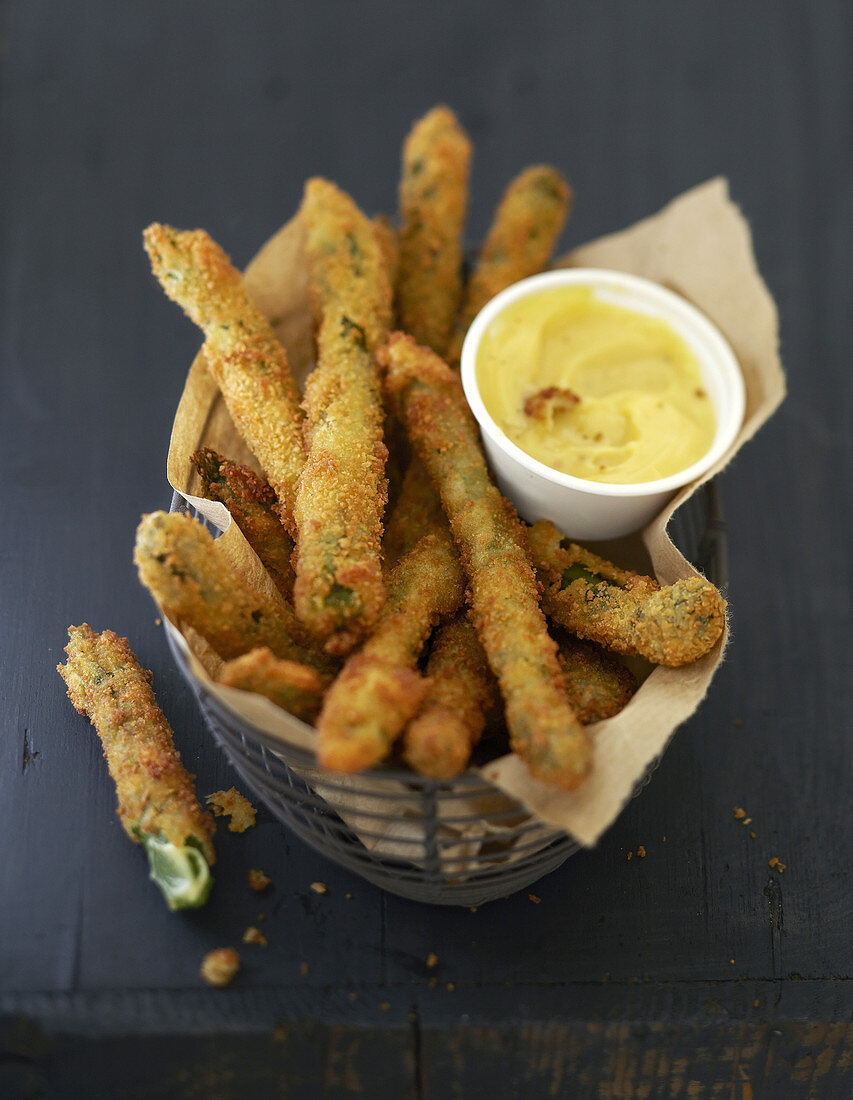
699 245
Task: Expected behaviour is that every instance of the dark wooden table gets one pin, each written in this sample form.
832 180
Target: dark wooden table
696 972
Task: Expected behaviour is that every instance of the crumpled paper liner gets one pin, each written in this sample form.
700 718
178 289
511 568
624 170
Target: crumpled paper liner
699 245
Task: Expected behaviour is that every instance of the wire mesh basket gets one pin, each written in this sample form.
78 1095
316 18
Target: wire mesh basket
457 842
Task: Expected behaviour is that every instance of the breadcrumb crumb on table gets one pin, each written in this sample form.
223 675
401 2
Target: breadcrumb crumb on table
218 967
641 852
776 864
232 804
319 887
254 935
432 960
533 897
258 881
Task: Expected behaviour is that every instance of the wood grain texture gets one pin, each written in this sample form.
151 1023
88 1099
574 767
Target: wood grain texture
113 116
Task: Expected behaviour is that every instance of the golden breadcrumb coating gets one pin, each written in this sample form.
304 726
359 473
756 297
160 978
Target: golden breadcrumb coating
295 688
155 792
438 741
341 495
491 540
379 690
251 501
433 204
179 565
219 967
389 245
244 356
258 881
597 685
526 225
232 804
624 611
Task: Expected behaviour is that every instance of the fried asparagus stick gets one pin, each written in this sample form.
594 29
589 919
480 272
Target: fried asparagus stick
295 688
526 225
417 512
342 491
505 601
252 503
156 798
433 203
597 685
462 691
379 690
624 611
179 565
389 245
244 356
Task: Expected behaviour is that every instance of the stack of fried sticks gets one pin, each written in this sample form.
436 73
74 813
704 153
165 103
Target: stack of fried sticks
408 636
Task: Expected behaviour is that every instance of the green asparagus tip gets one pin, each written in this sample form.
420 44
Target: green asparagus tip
181 873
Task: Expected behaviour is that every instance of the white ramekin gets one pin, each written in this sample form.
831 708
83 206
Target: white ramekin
590 509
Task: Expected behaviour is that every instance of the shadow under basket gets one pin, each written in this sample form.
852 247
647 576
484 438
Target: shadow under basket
445 842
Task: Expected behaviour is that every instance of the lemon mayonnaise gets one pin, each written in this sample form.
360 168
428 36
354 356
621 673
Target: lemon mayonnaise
593 389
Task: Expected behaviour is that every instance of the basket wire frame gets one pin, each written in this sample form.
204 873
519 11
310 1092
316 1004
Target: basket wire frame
404 832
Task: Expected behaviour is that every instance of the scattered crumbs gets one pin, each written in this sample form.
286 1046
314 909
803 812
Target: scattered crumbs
433 982
473 909
385 1006
737 721
752 835
755 1003
630 855
747 821
432 960
534 898
348 897
663 840
304 968
319 887
232 804
777 864
258 881
732 961
451 986
641 852
254 935
158 622
218 967
281 1032
739 813
353 996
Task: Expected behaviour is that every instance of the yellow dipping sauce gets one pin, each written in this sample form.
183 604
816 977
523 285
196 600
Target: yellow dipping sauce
593 389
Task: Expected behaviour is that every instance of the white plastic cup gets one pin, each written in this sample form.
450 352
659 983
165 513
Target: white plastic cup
590 509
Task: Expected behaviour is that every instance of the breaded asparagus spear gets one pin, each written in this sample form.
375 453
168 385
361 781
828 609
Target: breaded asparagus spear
433 203
438 741
179 565
156 799
379 690
505 602
417 512
624 611
342 491
243 354
296 688
527 222
252 503
389 245
597 685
